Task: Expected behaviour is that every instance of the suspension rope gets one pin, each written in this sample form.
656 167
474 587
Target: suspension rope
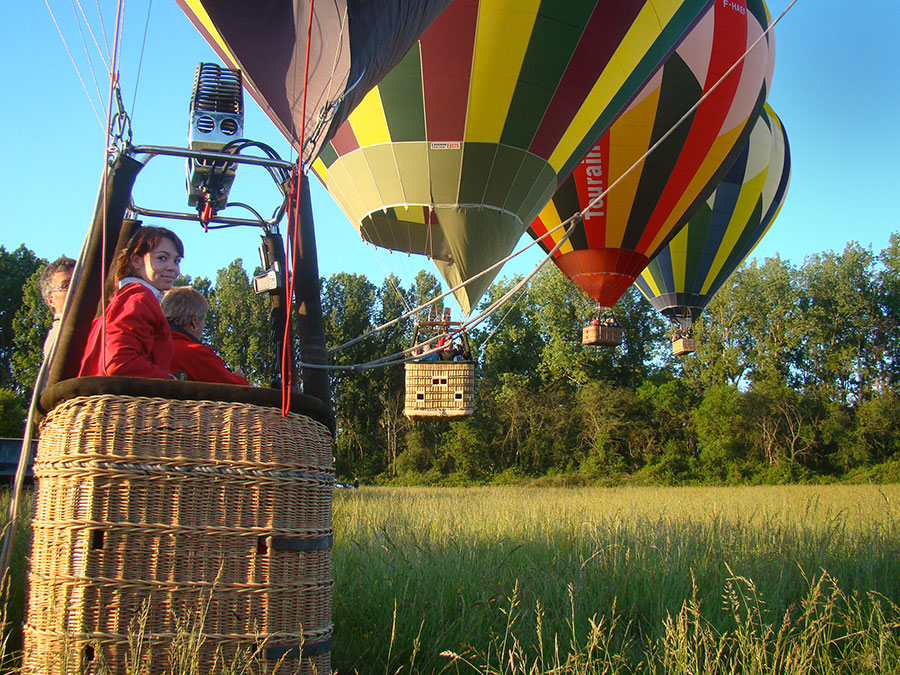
402 356
87 51
451 291
74 64
293 231
137 80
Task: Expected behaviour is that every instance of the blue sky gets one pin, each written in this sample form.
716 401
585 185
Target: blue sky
835 88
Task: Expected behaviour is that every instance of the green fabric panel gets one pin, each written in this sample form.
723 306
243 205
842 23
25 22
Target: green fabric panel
403 100
478 158
444 166
503 173
556 33
412 163
384 172
541 192
357 167
524 182
402 235
328 155
342 186
696 228
477 238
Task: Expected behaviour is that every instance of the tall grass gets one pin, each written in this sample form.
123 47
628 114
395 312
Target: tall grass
656 579
511 581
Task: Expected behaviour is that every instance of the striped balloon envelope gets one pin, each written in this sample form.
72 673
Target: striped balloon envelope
352 46
620 233
685 275
462 144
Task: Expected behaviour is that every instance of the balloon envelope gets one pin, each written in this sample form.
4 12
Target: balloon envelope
682 279
462 144
622 232
352 46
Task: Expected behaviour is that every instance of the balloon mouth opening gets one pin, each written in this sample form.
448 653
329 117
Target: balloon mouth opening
604 274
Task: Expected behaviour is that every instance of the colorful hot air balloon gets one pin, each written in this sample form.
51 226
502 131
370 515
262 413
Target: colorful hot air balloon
620 234
352 46
682 279
462 144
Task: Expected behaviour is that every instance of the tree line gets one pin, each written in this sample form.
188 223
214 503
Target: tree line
793 378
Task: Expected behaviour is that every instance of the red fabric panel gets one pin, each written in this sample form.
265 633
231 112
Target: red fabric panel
447 49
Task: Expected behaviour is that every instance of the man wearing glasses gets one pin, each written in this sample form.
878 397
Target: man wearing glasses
54 281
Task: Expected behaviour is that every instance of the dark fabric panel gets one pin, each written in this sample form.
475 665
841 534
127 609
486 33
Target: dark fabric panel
676 79
478 158
557 30
602 27
567 204
84 295
401 98
696 236
181 391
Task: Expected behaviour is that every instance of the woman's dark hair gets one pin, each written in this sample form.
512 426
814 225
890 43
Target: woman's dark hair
142 242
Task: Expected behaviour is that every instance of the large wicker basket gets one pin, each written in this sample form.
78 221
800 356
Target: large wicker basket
188 508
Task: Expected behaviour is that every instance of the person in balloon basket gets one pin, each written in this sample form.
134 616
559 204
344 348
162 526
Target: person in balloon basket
185 309
132 337
54 282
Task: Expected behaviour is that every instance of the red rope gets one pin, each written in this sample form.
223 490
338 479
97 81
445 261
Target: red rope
293 220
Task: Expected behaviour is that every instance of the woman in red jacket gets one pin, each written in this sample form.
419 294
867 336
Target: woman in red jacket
132 337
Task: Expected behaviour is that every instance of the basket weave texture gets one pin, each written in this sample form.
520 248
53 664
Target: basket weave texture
439 389
177 505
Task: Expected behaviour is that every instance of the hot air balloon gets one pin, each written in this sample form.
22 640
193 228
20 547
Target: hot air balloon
685 275
462 144
622 232
352 46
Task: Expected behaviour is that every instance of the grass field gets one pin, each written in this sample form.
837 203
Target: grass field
667 580
629 580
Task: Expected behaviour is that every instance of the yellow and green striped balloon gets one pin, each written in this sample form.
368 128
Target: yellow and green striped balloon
682 279
457 150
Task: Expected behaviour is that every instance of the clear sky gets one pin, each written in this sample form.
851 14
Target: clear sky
835 88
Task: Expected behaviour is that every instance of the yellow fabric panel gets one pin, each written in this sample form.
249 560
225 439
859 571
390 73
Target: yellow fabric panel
368 121
411 214
746 202
645 29
550 217
648 278
701 178
197 8
503 32
629 139
318 166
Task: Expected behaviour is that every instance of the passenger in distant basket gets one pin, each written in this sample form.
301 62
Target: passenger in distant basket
134 340
186 309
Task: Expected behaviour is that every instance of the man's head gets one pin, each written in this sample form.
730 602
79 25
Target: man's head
54 281
186 308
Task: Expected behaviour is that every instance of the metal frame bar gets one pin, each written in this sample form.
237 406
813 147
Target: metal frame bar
144 153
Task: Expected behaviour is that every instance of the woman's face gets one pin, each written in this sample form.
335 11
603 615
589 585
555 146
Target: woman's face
160 266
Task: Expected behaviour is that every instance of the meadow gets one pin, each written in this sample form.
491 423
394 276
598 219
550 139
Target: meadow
503 580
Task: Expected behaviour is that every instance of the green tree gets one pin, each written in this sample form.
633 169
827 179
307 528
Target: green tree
15 269
238 325
30 326
13 410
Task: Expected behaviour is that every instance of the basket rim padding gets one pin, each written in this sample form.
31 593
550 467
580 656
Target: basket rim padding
180 390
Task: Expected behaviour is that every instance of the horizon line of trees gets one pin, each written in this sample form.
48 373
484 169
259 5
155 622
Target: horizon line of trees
794 377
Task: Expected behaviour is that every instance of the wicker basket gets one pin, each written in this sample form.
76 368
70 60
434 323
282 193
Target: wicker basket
602 336
177 506
439 389
682 346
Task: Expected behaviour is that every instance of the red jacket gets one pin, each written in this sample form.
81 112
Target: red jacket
138 342
199 362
